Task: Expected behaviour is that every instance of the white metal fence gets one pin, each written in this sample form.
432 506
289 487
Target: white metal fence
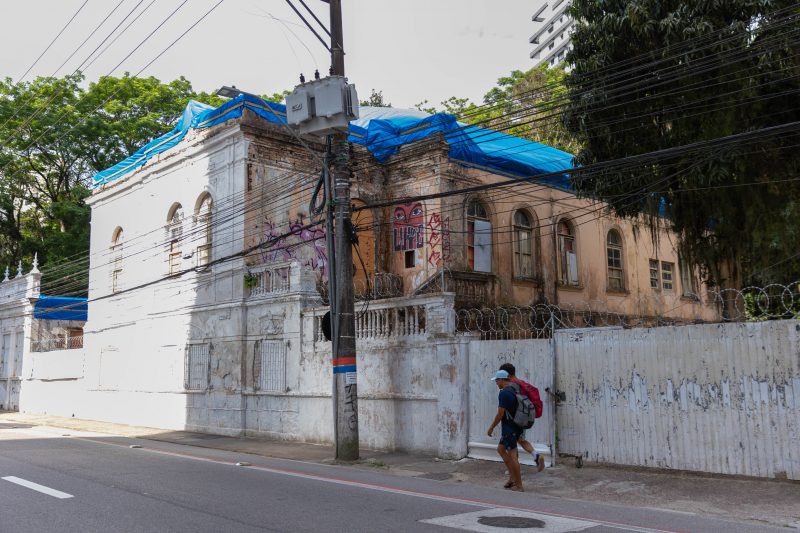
719 398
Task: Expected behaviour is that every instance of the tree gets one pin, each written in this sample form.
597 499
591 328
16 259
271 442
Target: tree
649 75
54 135
525 104
375 100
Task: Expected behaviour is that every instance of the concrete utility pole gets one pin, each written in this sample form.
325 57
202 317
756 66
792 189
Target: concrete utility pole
345 389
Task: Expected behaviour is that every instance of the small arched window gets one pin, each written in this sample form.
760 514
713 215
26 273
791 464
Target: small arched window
479 237
116 259
175 235
523 245
203 219
568 254
616 274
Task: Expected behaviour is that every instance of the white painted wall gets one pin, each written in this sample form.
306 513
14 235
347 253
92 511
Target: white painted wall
721 398
16 317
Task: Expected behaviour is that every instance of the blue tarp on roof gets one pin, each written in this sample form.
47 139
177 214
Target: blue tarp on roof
60 308
382 130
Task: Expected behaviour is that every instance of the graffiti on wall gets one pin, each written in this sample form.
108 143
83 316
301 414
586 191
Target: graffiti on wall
438 228
303 244
408 226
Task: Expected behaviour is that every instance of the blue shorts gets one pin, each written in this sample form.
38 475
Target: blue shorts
509 438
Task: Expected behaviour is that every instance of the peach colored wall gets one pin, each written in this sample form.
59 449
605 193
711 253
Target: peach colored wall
430 172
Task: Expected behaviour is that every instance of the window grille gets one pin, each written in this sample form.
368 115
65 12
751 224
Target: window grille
616 278
271 363
197 367
667 278
654 281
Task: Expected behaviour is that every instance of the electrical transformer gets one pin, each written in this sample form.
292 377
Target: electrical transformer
321 107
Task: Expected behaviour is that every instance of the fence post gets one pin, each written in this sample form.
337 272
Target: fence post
554 355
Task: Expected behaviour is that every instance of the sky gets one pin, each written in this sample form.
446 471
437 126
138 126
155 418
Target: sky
411 50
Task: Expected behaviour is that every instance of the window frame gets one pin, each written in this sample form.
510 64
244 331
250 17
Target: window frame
521 258
204 216
116 250
174 229
667 271
471 218
618 249
564 238
686 273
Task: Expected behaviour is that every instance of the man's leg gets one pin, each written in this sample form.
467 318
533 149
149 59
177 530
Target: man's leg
528 447
506 457
514 469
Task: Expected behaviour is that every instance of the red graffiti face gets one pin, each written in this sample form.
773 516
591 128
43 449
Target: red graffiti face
409 224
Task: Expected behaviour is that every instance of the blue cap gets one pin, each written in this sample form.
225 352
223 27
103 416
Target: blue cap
500 374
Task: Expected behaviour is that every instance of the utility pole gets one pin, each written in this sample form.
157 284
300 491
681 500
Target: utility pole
345 388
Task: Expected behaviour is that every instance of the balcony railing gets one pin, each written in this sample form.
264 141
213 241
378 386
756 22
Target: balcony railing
50 344
272 279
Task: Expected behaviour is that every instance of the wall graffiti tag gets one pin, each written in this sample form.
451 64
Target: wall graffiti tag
313 255
438 239
409 226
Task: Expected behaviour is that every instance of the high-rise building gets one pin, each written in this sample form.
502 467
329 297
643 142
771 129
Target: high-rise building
551 39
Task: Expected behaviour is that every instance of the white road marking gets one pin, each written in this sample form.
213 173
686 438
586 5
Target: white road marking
472 522
39 488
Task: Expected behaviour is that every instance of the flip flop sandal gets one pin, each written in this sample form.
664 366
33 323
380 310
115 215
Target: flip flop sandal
508 484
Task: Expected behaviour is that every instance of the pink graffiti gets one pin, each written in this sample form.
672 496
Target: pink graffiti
434 239
306 245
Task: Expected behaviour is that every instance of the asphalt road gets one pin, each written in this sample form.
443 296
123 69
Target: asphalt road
55 483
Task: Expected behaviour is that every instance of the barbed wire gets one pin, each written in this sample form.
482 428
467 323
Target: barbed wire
749 304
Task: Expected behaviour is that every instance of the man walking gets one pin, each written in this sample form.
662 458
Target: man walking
509 431
524 387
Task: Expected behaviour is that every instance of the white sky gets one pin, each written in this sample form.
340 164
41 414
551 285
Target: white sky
412 50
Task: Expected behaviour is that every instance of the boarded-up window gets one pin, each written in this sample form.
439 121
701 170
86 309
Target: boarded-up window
271 366
197 367
5 352
19 346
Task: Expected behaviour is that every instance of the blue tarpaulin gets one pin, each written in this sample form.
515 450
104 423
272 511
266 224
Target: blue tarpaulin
60 308
382 130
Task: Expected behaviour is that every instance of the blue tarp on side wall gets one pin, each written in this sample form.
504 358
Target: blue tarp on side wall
60 308
383 131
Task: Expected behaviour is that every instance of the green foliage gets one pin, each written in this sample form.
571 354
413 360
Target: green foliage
52 141
524 104
653 74
375 100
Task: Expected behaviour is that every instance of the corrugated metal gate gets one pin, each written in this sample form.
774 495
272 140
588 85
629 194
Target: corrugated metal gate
533 359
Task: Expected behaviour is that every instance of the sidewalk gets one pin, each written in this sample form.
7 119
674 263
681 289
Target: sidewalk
763 501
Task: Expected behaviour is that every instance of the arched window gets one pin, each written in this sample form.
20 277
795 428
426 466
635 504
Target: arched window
116 259
616 274
523 245
568 253
479 238
203 220
175 235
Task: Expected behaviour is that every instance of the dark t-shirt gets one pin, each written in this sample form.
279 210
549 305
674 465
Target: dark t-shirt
507 399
